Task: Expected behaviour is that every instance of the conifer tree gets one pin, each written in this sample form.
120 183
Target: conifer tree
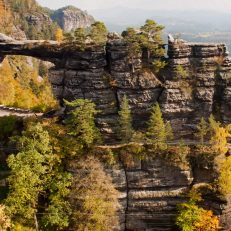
156 132
202 130
125 121
80 38
81 122
98 33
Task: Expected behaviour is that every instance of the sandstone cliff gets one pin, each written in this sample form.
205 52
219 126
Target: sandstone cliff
195 83
70 18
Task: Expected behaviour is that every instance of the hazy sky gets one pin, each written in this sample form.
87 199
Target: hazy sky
221 5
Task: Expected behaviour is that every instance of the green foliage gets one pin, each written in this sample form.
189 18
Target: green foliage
76 40
80 37
35 173
98 33
58 210
193 218
125 120
81 122
93 197
181 72
189 214
148 37
158 133
202 130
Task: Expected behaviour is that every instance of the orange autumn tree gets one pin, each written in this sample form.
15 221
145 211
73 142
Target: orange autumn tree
191 217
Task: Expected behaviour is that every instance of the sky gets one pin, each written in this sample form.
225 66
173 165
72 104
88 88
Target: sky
220 5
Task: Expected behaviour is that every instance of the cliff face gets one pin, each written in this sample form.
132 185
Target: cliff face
70 18
195 83
151 189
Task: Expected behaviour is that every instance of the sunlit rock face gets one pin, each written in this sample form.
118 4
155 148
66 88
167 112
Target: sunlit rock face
70 18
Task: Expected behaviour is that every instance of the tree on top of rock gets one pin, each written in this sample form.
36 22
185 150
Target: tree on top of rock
148 37
98 33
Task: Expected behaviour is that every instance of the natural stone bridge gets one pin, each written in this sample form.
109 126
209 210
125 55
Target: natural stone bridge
195 83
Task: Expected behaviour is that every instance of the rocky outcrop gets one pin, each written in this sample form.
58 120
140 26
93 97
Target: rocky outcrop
70 18
151 189
195 83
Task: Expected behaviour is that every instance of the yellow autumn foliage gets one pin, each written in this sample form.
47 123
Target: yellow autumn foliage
21 88
207 222
224 180
59 35
219 136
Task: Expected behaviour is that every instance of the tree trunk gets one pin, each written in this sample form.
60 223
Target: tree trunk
36 222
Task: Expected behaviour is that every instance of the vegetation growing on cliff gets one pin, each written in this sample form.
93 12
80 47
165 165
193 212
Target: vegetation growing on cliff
148 38
192 217
158 132
21 9
40 185
82 38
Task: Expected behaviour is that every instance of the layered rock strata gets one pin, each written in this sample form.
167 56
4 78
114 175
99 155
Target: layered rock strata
195 83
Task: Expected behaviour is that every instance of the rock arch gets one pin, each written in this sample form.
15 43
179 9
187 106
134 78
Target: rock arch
104 75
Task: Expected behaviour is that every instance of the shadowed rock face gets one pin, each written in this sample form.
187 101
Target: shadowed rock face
195 83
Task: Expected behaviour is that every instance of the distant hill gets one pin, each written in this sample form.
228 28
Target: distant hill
70 18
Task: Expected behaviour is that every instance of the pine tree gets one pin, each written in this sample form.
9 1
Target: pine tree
202 130
81 122
80 38
156 132
125 121
98 33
